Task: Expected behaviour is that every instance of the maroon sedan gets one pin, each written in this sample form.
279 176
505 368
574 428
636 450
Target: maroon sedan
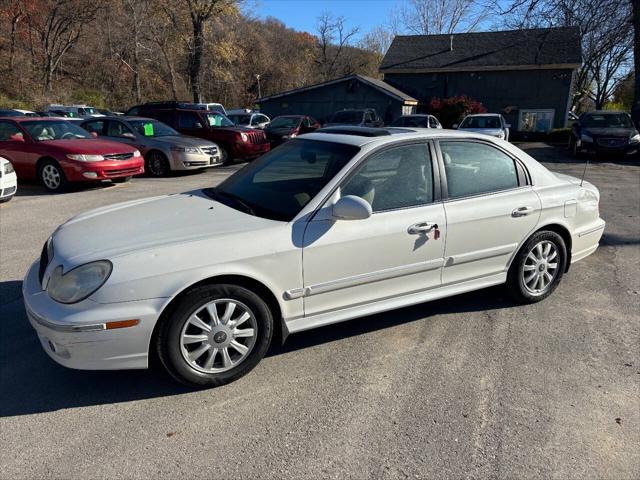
57 152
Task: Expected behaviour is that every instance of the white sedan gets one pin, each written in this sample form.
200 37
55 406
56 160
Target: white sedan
8 180
342 223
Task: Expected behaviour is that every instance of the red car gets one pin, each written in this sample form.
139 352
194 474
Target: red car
57 152
234 141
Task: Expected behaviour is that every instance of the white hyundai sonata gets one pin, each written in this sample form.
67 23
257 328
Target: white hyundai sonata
333 225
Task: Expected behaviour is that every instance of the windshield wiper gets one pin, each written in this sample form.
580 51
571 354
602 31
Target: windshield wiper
214 192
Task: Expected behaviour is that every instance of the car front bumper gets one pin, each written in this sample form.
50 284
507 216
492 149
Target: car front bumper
105 170
75 337
194 161
627 149
250 150
8 185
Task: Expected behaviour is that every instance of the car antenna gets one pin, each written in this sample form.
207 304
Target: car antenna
584 172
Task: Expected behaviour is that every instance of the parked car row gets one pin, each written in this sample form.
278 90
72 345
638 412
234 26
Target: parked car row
605 133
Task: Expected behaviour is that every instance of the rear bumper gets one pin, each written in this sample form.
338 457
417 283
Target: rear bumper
60 329
586 240
87 171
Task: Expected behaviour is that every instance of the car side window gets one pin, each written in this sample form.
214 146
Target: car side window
97 127
117 129
7 130
398 177
476 168
188 120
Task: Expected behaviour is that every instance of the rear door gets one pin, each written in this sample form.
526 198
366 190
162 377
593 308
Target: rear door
395 252
490 206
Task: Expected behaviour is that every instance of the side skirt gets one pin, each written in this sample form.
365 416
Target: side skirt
327 318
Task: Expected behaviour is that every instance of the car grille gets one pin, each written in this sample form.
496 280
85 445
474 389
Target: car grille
44 261
612 142
7 191
209 150
257 137
122 171
118 156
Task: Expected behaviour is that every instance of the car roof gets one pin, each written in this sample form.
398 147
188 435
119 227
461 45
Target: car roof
400 133
31 119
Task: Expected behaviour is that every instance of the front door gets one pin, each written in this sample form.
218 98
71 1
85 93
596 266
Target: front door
491 209
397 251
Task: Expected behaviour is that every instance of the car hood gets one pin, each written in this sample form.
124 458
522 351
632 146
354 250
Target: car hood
180 141
609 132
88 146
147 223
486 131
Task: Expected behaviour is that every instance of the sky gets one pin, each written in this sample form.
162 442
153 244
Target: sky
302 14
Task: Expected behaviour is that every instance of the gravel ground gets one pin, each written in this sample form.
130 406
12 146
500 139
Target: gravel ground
467 387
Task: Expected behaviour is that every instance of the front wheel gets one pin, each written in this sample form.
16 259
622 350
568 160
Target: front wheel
52 176
538 267
215 335
156 164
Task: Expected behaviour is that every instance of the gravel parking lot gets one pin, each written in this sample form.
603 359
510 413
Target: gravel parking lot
467 387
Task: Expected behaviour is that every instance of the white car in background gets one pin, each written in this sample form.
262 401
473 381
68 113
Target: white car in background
492 124
248 118
8 180
330 226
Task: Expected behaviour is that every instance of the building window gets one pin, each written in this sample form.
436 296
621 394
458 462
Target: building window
536 120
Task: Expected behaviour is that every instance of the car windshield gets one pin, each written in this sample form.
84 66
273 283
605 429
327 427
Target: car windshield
346 117
481 122
607 120
218 120
279 184
54 130
152 128
240 119
285 122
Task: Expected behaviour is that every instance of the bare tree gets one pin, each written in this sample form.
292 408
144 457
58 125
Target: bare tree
137 12
58 27
635 109
333 37
201 12
430 17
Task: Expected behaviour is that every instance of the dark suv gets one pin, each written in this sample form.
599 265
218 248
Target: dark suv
604 132
234 141
366 117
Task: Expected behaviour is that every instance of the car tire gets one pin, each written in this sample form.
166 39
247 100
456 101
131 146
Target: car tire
156 164
122 179
186 353
52 176
225 156
538 267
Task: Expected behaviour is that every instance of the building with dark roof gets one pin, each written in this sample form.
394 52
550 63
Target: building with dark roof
354 91
527 75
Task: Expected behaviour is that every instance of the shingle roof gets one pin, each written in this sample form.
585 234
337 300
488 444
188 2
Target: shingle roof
483 50
373 82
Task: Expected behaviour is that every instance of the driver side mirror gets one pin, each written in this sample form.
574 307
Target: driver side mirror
197 125
351 207
17 137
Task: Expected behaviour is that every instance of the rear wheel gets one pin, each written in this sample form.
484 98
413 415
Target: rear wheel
538 267
225 156
52 176
156 164
215 335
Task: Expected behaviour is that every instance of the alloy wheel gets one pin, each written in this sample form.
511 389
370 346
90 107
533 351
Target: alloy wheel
51 177
218 336
540 267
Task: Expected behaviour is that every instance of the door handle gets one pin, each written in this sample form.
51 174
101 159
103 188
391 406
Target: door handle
522 212
421 227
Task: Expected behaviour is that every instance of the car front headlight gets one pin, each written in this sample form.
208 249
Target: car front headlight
185 149
634 139
85 158
136 153
8 168
585 137
78 283
244 137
